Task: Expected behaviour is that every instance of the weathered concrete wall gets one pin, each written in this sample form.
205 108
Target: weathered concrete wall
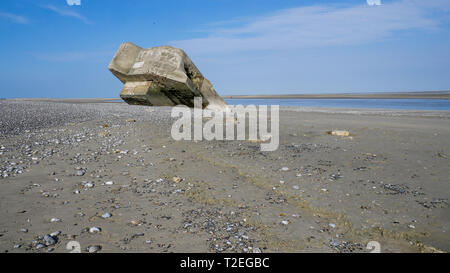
161 76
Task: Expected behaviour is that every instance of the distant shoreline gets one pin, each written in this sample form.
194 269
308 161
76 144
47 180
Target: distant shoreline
442 95
445 95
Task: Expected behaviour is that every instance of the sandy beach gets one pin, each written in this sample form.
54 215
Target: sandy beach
109 176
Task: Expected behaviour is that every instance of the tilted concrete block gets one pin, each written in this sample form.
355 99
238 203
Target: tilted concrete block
161 76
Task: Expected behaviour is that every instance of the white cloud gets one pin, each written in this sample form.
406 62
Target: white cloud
73 2
68 13
319 25
14 17
374 2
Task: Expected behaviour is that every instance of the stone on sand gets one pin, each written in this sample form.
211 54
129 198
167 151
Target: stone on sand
340 133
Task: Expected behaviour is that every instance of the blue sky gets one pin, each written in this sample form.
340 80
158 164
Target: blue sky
52 49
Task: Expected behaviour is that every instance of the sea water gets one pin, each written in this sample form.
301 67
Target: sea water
406 104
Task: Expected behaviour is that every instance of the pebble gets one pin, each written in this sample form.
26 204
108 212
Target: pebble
334 243
55 234
284 169
55 220
285 222
88 184
106 215
256 250
134 223
109 183
332 225
39 246
95 230
93 249
50 240
176 179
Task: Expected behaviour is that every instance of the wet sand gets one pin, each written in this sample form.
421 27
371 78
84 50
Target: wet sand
68 167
